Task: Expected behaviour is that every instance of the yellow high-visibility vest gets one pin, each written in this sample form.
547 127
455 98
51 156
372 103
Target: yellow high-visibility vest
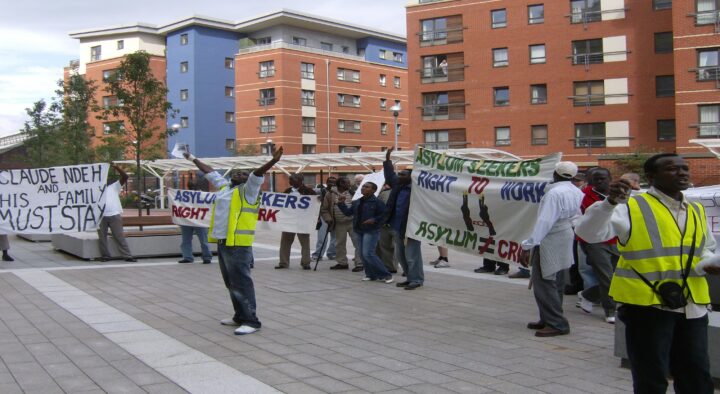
242 219
658 250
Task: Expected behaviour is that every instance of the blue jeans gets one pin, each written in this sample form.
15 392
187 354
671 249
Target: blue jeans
374 267
186 245
329 242
410 258
235 264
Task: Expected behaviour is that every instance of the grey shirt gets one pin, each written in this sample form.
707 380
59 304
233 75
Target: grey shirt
222 199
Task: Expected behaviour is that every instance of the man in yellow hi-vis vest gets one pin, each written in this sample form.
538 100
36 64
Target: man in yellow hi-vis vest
232 227
665 245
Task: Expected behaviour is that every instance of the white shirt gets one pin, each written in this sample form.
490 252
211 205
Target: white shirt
562 201
222 199
112 199
603 220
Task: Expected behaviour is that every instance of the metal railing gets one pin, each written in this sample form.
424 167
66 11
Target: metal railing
442 74
596 142
265 101
443 112
711 17
270 72
587 16
267 128
439 37
349 104
708 73
445 145
309 102
589 100
303 48
586 59
707 130
13 139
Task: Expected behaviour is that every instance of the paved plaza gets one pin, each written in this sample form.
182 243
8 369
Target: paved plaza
86 327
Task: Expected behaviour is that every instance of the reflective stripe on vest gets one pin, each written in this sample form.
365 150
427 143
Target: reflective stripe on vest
658 250
242 219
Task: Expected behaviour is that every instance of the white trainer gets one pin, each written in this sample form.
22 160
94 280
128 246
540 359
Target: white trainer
244 330
585 305
434 262
230 322
390 280
365 279
442 264
610 319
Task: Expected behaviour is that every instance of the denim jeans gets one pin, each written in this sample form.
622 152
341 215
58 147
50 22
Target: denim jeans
329 242
410 258
186 245
374 267
235 264
661 342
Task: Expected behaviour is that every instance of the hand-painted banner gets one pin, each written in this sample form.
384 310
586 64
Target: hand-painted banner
52 200
709 197
481 207
378 178
278 211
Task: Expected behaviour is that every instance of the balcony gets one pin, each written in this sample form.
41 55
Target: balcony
442 145
707 130
586 16
703 18
267 128
302 48
708 73
450 111
598 142
589 100
450 73
308 102
587 59
266 73
265 101
441 37
350 104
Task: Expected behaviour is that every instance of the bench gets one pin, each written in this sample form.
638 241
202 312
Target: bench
147 221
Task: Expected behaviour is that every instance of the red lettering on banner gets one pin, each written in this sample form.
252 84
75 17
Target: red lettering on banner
267 215
478 184
189 213
509 250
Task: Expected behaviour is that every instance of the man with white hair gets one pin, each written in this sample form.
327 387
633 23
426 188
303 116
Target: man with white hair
549 250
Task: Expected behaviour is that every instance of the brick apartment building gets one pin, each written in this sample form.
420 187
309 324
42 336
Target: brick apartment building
590 78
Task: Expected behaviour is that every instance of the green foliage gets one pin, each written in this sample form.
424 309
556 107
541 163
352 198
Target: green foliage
633 162
247 150
43 135
75 99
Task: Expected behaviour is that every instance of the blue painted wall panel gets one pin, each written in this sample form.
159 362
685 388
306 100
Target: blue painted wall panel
374 45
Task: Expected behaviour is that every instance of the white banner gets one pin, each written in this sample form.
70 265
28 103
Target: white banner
378 178
481 207
709 197
278 211
52 200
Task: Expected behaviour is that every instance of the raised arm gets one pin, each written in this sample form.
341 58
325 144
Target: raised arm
200 165
265 167
388 170
123 174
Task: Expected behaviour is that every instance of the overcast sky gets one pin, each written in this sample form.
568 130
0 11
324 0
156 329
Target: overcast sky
35 46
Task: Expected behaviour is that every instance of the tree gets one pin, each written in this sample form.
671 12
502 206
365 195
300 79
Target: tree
75 99
633 162
140 100
42 135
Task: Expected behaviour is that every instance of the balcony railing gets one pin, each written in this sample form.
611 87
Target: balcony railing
440 145
707 130
711 17
265 101
307 74
267 128
303 48
270 72
587 59
585 16
589 100
349 104
449 73
440 37
708 73
309 102
308 129
596 142
450 111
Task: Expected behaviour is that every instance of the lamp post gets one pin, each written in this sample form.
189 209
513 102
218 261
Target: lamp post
138 187
396 111
269 146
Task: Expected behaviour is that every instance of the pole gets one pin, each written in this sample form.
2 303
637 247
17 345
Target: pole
395 115
327 100
138 186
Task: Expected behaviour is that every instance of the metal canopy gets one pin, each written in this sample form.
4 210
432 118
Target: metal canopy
712 144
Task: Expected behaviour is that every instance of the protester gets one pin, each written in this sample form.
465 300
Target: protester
286 239
633 180
358 181
187 233
325 235
521 273
232 225
662 291
386 244
407 250
341 225
367 213
442 260
580 180
5 246
601 256
493 266
549 250
112 218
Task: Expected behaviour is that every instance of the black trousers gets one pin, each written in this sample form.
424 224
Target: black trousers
661 342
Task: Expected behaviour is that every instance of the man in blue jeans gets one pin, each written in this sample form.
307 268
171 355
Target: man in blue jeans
407 250
232 226
187 235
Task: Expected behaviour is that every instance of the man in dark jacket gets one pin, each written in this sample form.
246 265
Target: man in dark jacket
286 240
407 251
367 213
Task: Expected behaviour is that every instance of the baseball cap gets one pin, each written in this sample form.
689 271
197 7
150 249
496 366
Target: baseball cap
566 169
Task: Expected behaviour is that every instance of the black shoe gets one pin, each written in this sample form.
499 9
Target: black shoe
185 261
358 269
6 257
501 271
103 259
404 275
392 271
483 270
339 267
536 325
413 286
306 267
131 259
402 284
521 274
280 267
208 262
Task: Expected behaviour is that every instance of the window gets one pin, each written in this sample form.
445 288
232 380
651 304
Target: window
436 68
590 135
396 82
399 129
538 94
435 105
120 44
383 104
229 117
184 122
107 74
230 144
383 128
502 136
706 11
95 53
267 124
349 149
437 139
308 125
666 130
583 11
348 100
663 42
397 57
307 70
397 102
501 96
536 14
229 91
267 96
344 74
109 101
662 5
267 69
348 126
345 49
229 63
263 41
707 63
709 116
498 18
308 149
113 127
382 54
664 86
183 39
184 67
539 134
308 97
383 79
587 51
589 93
326 46
537 54
433 30
500 57
184 95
